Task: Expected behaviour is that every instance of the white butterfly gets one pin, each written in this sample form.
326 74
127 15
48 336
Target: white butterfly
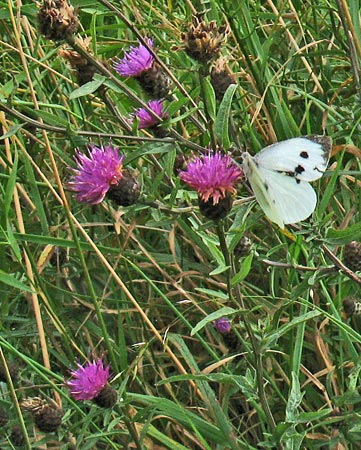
280 173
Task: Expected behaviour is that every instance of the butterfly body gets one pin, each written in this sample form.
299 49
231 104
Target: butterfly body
280 174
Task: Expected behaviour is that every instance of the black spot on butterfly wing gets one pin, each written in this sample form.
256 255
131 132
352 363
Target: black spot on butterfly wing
304 155
325 142
299 169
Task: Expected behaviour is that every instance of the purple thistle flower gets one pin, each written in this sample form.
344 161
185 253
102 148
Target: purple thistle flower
223 325
212 175
145 118
88 381
136 61
96 173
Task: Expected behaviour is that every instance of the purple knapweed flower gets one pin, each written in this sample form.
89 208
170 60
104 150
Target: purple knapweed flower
88 381
96 173
146 120
136 61
212 175
223 325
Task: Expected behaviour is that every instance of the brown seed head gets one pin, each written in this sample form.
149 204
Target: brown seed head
351 305
57 19
203 41
48 419
85 69
16 437
221 77
75 59
352 256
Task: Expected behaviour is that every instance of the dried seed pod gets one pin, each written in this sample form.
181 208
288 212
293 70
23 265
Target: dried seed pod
221 77
17 436
351 305
47 417
4 418
57 19
203 41
352 256
85 70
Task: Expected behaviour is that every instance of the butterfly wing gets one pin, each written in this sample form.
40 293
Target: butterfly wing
304 158
283 198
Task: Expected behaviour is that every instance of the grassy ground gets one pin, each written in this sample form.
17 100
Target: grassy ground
143 284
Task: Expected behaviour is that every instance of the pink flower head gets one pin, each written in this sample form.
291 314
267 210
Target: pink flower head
89 380
145 118
212 175
223 325
96 173
136 61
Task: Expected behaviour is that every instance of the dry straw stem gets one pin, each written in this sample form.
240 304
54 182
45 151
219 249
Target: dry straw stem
353 42
29 269
295 46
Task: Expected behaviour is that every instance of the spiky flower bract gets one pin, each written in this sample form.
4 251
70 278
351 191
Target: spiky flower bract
136 61
146 120
88 380
223 325
212 175
96 173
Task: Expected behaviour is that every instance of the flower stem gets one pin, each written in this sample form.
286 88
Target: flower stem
235 296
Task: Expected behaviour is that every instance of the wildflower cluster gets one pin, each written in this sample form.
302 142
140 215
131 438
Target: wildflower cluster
101 172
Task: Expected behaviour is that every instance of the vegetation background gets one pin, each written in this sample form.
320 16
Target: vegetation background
142 285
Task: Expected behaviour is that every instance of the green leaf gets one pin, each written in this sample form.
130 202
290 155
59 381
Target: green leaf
180 415
13 130
309 417
222 119
294 400
341 237
226 311
87 88
330 190
49 118
209 97
10 186
11 281
272 337
213 293
244 270
219 269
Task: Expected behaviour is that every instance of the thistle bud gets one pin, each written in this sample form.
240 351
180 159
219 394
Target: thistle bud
221 77
126 192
